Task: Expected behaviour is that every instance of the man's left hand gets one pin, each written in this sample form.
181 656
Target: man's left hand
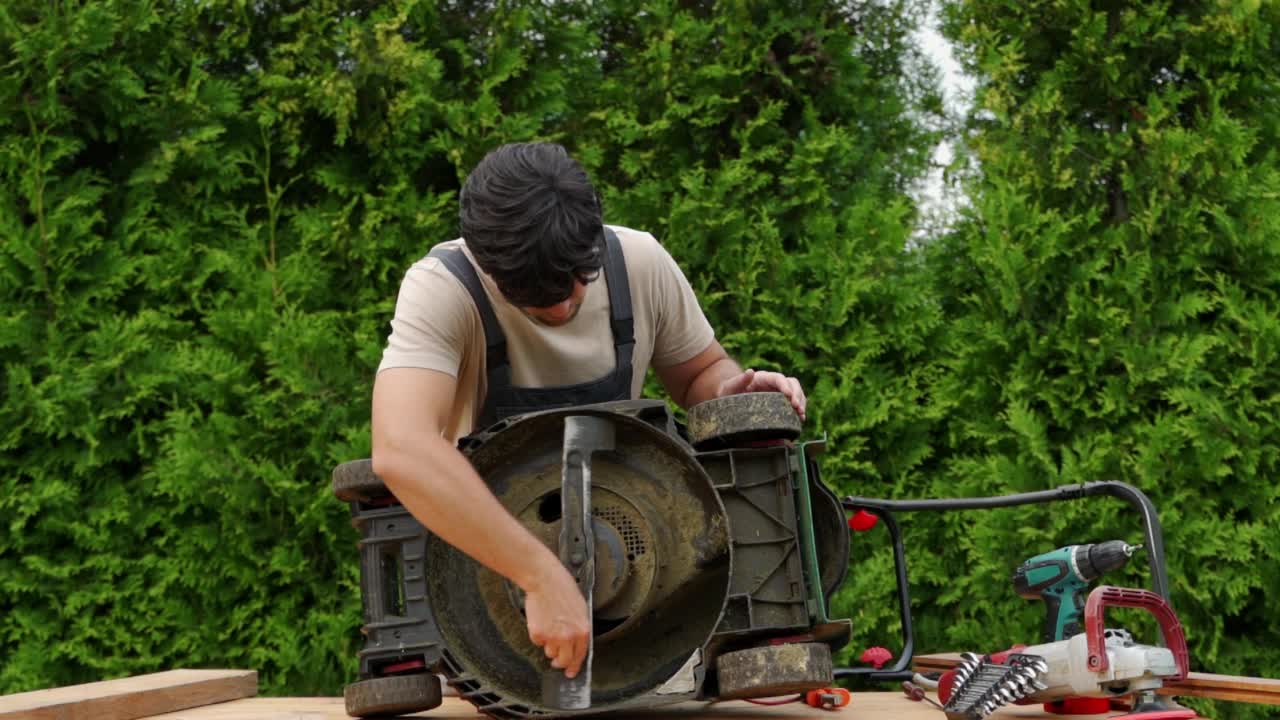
764 381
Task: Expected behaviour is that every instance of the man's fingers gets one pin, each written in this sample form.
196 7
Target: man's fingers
797 397
542 640
579 654
564 655
581 646
777 382
569 654
763 381
738 383
565 646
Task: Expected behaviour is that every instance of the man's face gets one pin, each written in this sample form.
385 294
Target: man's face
562 312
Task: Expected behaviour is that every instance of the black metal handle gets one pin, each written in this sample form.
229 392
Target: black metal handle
1123 491
900 669
884 508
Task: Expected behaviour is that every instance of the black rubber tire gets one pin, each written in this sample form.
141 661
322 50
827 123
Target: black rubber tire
774 670
392 695
355 481
737 419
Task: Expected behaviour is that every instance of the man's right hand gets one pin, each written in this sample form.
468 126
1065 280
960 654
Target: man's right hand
439 486
558 621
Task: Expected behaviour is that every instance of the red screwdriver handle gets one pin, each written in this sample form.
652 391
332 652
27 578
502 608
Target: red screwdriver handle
1105 596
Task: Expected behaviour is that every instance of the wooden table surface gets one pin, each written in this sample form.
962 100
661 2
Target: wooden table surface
231 695
865 706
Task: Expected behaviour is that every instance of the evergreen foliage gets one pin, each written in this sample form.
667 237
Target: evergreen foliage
206 210
1112 302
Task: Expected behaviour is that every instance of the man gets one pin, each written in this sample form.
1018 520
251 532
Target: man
538 305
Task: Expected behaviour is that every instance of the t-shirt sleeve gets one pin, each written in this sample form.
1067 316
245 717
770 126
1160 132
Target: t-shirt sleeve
432 321
682 329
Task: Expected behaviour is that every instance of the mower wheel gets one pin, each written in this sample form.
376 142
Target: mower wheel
392 695
742 419
774 670
354 481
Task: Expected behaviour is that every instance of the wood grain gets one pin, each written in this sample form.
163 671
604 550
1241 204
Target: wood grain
865 706
132 697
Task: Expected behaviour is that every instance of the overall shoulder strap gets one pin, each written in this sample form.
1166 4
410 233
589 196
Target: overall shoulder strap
621 319
494 339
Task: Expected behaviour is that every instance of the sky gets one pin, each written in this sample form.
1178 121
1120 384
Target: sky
957 86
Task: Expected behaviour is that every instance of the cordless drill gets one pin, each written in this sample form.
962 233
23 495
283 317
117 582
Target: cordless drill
1060 577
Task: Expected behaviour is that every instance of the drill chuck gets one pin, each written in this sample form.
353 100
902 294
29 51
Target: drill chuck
1094 561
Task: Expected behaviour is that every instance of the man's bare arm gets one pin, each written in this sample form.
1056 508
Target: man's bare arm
436 483
712 373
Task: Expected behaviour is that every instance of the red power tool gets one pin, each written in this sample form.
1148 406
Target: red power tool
1096 663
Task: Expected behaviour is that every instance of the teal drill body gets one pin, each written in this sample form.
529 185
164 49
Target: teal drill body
1060 577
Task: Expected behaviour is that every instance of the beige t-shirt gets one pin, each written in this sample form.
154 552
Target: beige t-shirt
437 327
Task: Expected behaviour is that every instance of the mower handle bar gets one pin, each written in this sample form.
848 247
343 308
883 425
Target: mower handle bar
884 509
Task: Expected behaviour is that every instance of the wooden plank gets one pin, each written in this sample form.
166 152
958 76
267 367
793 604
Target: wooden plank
132 697
1235 688
935 663
865 706
1264 686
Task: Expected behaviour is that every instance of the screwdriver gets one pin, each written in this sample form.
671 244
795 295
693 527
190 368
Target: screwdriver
917 693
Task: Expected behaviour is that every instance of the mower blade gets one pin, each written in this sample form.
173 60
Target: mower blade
583 436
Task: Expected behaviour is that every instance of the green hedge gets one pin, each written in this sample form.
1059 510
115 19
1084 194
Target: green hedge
206 211
1113 296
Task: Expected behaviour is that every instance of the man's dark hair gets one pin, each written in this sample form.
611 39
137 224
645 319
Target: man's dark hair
532 220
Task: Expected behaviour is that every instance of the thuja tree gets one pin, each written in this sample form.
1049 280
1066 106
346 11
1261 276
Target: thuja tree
206 209
771 147
1112 294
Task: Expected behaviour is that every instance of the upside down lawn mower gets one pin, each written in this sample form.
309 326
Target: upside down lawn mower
708 554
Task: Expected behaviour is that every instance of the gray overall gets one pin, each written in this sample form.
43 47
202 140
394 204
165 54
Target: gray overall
503 399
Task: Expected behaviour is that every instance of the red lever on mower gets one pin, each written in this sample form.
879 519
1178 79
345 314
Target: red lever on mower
862 521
